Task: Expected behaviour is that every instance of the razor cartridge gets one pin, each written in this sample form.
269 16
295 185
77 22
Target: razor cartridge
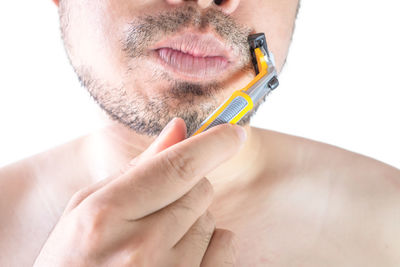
242 101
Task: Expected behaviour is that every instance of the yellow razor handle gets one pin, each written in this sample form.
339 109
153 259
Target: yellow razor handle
242 101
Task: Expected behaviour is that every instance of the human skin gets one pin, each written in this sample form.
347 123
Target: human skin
153 213
286 200
132 86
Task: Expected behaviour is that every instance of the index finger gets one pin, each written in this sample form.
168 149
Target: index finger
159 181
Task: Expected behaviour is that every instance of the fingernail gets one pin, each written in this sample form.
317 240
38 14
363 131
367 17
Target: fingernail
241 133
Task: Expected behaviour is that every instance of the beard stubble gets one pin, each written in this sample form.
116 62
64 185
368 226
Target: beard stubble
193 102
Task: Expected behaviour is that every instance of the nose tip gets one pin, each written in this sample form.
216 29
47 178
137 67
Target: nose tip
205 3
226 6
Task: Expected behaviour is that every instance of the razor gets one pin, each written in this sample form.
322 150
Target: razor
242 101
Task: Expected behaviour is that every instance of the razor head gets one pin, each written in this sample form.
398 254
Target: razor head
257 41
242 101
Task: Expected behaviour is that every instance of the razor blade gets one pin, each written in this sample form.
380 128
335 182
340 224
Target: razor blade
242 101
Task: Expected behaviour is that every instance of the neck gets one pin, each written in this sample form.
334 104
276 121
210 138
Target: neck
112 148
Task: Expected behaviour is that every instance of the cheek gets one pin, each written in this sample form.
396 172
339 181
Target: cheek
93 37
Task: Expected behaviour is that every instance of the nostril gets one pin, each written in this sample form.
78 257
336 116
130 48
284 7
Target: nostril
227 6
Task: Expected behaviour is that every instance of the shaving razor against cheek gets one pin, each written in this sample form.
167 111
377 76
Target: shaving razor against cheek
242 101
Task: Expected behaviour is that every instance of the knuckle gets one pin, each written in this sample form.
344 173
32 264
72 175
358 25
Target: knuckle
179 164
208 220
132 258
93 218
202 235
183 206
229 240
144 249
205 189
90 226
135 258
206 238
78 195
205 227
76 198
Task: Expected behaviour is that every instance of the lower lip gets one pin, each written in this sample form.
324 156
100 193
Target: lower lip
191 67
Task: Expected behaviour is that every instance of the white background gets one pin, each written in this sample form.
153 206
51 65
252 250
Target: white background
340 84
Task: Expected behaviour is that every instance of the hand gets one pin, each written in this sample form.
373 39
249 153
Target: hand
154 213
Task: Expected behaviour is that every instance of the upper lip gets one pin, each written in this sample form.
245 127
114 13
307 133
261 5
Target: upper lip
197 45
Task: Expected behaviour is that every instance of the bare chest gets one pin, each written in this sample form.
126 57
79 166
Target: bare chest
290 224
298 224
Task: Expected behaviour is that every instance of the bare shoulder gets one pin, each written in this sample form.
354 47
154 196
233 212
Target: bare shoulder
349 203
33 195
16 181
41 175
305 154
17 207
316 161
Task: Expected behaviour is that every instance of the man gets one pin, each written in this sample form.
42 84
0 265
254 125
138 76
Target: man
269 199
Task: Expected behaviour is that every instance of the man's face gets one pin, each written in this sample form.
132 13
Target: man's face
147 61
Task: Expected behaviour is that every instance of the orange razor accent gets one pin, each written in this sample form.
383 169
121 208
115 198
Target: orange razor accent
242 101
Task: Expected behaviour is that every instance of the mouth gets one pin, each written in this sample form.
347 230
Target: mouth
193 56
